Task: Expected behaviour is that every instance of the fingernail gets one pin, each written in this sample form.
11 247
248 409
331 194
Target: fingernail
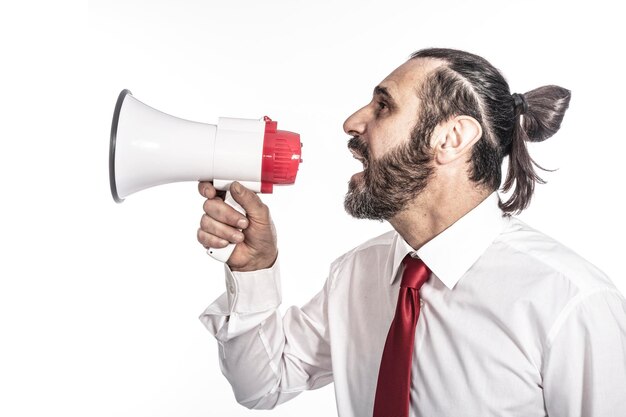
242 223
224 242
237 187
238 237
206 192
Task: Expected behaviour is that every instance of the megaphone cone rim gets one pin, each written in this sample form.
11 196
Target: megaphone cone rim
116 117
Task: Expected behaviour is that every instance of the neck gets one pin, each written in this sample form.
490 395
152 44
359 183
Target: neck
434 210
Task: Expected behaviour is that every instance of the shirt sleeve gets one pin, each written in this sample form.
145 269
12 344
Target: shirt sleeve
268 359
584 372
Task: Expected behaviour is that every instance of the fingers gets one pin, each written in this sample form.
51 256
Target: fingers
211 227
210 241
250 201
213 234
223 213
206 189
220 224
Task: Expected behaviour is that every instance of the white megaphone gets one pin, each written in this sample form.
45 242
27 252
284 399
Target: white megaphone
149 147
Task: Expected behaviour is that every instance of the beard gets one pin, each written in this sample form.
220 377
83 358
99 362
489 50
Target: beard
389 183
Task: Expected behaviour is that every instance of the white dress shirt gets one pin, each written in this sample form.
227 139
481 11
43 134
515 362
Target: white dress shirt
512 324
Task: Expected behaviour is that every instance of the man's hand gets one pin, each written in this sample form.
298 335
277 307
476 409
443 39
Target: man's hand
256 242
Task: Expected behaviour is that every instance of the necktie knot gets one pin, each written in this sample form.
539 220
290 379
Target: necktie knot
415 274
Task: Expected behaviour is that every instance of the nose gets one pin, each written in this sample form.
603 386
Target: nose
355 124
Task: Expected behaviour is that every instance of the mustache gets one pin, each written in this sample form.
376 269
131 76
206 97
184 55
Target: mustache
356 145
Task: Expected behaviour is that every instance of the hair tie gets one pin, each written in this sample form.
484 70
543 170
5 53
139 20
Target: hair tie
521 106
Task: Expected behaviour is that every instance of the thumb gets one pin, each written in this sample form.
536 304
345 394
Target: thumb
250 201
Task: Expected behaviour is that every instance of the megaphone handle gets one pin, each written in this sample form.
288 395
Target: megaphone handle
222 254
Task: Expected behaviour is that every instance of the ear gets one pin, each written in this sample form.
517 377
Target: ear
456 139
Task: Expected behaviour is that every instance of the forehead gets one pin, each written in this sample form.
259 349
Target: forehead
404 82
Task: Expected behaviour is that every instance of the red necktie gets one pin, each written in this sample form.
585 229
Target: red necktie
394 376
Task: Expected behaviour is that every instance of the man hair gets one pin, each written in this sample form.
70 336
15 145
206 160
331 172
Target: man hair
468 84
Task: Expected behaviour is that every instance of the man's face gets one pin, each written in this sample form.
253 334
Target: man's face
384 137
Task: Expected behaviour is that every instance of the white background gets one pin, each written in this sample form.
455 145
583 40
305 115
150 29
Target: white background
99 301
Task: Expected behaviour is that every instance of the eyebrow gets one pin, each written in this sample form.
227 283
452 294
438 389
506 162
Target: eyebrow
382 91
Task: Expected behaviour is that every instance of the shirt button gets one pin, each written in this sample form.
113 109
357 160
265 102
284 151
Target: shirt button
421 303
231 288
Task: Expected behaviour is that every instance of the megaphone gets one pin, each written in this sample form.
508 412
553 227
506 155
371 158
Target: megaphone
149 148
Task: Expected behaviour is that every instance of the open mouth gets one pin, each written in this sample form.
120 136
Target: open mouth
359 158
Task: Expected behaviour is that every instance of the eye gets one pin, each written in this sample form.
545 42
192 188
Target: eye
381 108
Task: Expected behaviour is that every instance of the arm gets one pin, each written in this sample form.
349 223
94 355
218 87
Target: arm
268 359
584 370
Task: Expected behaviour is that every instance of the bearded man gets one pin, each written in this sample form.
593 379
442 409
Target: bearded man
462 309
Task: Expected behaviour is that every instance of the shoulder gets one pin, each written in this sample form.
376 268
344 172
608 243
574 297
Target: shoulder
374 250
539 253
371 247
526 276
538 261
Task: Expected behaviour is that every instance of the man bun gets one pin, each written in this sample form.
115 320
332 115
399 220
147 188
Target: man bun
546 108
538 119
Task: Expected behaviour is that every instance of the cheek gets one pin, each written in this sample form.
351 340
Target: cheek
385 138
377 148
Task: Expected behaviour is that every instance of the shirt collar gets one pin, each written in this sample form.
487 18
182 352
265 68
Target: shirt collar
452 252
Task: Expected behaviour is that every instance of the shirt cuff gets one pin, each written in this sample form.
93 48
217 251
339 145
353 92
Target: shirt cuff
254 291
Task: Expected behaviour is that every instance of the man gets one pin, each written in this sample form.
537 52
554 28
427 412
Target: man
501 321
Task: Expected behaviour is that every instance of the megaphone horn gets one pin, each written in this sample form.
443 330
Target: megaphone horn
149 148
